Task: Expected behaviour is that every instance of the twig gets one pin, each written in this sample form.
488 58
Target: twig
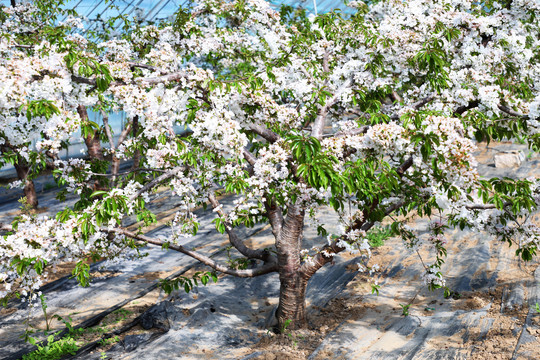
264 269
169 174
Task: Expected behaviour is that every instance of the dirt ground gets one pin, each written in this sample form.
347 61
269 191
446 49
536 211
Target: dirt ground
512 331
499 343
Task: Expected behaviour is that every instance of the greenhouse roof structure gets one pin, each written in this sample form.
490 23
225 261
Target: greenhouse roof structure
154 11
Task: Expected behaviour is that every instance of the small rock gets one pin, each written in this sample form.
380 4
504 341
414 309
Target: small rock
156 317
509 159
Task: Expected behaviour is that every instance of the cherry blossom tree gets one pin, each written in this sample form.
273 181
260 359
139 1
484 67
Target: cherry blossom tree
373 115
37 91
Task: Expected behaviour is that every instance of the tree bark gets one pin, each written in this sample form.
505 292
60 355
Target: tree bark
29 189
115 168
92 139
137 154
94 146
291 313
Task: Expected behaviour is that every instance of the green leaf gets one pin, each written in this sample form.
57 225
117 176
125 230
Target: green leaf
98 193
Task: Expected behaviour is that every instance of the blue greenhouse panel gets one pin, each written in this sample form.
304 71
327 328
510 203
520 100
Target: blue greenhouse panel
150 11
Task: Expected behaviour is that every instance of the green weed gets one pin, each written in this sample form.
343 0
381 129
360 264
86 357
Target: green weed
53 350
377 236
405 309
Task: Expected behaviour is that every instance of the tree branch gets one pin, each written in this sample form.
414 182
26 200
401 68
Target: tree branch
368 225
5 227
124 133
147 67
512 112
82 80
326 254
264 269
460 110
485 206
318 125
23 46
130 172
250 158
480 207
169 174
403 167
146 80
275 217
265 133
417 105
358 131
105 118
115 165
135 129
233 237
395 96
164 78
325 65
289 241
472 104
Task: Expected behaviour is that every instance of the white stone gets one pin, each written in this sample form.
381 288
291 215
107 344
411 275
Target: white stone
509 159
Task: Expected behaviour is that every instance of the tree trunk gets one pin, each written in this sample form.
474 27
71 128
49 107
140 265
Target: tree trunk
137 154
91 139
291 312
94 146
115 169
29 189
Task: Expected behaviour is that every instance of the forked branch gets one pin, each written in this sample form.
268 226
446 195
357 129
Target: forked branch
318 125
264 269
233 237
309 268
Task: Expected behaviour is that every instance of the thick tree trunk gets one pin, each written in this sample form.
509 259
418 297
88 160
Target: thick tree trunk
29 189
292 308
291 312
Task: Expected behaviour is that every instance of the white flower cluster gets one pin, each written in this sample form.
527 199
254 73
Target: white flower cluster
386 138
184 225
20 18
42 240
75 173
271 164
433 278
218 130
